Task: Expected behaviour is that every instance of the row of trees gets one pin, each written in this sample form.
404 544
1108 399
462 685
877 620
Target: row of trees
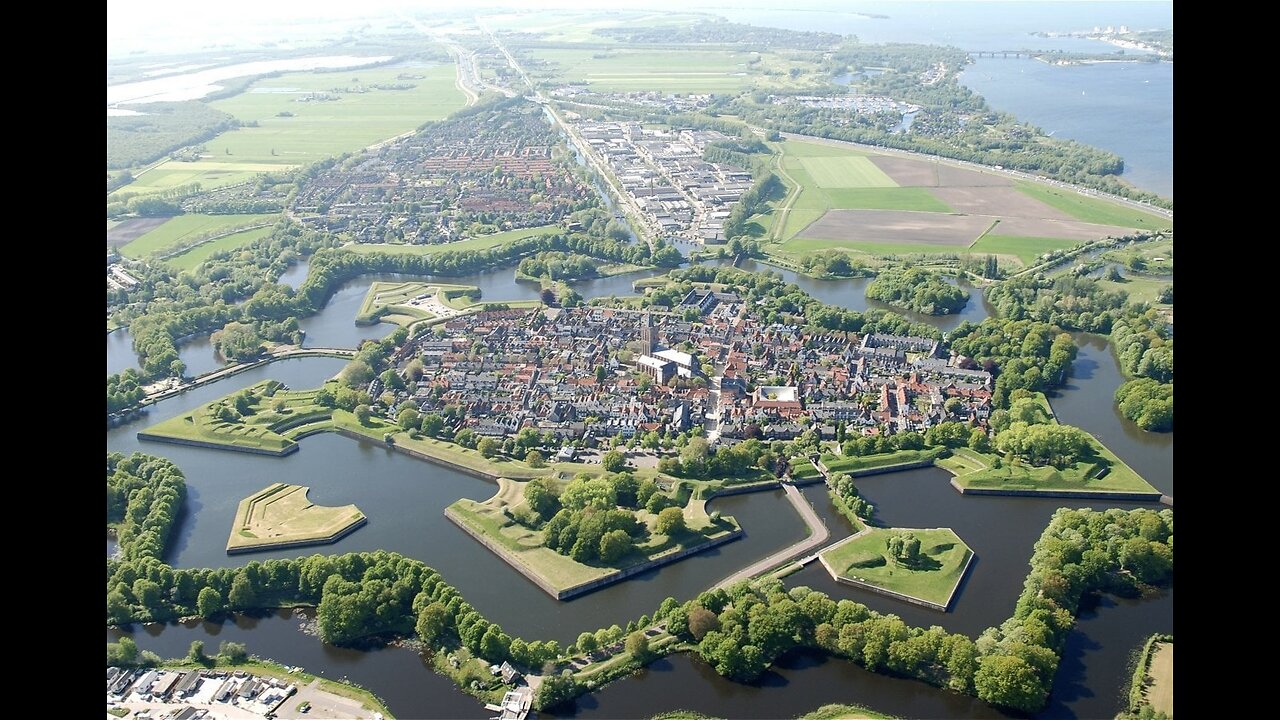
764 188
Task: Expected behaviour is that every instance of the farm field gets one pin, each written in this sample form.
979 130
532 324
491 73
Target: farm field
855 200
1026 249
1092 210
184 228
361 115
123 232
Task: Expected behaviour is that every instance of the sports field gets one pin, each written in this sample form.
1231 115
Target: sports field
187 228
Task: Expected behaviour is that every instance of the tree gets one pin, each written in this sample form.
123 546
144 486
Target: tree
613 461
587 643
409 419
233 652
362 413
488 447
432 424
196 652
208 602
433 621
243 595
548 297
670 521
534 459
615 545
556 690
637 646
702 621
540 497
1010 681
122 653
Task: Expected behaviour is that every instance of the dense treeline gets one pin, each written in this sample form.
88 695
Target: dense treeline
919 290
161 128
1144 345
124 390
844 493
1081 551
832 263
1148 403
1023 354
559 266
1073 303
144 497
760 192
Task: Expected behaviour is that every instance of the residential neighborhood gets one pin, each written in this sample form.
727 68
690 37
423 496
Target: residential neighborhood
591 374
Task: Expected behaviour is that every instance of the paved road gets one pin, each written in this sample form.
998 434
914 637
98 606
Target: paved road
818 534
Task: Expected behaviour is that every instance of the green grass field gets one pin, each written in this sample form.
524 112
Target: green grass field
213 173
184 228
883 198
281 514
845 172
944 559
198 254
841 464
1139 287
263 427
362 115
976 470
1092 210
483 242
1026 249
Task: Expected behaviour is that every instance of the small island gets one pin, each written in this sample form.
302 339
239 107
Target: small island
572 537
919 290
280 516
924 567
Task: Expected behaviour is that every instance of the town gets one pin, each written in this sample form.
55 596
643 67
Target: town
589 374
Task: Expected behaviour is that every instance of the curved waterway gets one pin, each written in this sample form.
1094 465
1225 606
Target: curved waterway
851 293
404 499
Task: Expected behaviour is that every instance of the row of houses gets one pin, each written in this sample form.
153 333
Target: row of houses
260 695
681 194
